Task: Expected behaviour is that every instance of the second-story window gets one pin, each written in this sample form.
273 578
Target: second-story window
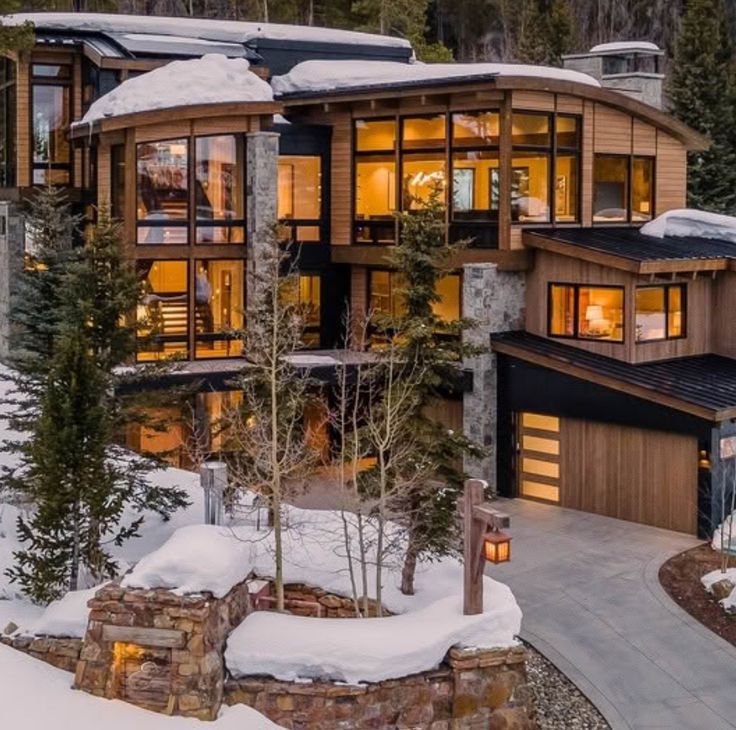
51 86
423 160
623 189
219 193
300 197
660 312
163 192
530 167
586 312
375 180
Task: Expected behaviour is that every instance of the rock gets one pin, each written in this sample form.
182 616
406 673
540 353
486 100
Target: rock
11 628
722 589
330 601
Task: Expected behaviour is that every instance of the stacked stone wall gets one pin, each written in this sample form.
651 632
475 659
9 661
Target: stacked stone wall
471 690
304 600
62 653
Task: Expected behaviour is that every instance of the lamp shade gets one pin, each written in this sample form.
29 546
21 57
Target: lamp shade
497 547
593 311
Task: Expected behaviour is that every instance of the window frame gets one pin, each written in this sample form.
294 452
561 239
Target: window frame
9 122
50 81
292 225
683 317
629 188
576 286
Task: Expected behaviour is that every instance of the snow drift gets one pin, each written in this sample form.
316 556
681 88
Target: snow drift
688 222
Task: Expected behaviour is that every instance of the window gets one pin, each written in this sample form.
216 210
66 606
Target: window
51 116
7 123
531 138
423 160
375 181
300 197
566 188
163 317
623 189
586 312
384 295
117 181
219 190
660 312
475 176
163 192
307 295
218 307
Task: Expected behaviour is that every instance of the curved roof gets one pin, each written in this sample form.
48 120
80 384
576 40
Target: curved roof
212 79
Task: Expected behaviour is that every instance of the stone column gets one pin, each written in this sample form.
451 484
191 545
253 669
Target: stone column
495 301
12 244
262 153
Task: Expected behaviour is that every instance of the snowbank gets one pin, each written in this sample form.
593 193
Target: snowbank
36 696
716 575
686 222
629 46
212 79
218 30
720 540
65 617
316 76
367 650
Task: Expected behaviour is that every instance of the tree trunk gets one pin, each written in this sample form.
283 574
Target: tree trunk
409 568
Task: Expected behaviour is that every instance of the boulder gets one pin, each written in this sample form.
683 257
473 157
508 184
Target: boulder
722 589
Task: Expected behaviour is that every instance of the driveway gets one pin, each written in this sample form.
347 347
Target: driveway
593 605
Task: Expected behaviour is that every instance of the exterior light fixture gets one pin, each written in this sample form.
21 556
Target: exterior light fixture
497 547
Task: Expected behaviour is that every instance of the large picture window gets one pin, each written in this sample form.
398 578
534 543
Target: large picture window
623 189
660 312
218 307
384 295
586 312
300 197
423 160
50 116
219 190
163 316
163 192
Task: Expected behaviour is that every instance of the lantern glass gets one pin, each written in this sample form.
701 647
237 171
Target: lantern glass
497 547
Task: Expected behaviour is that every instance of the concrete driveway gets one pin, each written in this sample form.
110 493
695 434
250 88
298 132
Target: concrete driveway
593 605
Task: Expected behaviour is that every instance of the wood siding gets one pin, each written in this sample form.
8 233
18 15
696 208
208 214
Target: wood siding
631 474
699 339
723 313
341 182
671 174
612 131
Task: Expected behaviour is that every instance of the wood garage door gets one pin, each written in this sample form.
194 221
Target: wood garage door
630 473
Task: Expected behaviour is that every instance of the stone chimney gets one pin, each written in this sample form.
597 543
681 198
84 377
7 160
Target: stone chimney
629 67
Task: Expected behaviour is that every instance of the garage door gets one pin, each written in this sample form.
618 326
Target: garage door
629 473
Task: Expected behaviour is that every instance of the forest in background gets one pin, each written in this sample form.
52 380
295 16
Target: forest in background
466 30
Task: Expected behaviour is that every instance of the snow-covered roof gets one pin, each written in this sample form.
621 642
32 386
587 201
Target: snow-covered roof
212 79
688 222
626 46
216 30
328 76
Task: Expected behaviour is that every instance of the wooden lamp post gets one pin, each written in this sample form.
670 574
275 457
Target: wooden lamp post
482 541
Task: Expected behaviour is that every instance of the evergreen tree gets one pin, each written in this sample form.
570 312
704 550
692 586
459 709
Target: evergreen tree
545 33
703 95
559 31
434 348
15 37
84 492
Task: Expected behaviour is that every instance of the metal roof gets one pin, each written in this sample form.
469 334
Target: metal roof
707 382
630 243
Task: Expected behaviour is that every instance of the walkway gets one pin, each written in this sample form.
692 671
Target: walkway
593 605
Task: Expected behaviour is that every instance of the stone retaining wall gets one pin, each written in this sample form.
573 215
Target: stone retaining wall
159 650
331 604
471 690
61 653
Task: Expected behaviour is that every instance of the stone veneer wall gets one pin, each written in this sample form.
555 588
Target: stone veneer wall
495 301
331 605
183 636
471 690
59 652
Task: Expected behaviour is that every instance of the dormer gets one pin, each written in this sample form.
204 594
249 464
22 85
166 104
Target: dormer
630 67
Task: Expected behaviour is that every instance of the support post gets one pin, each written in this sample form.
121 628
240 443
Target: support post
473 531
213 477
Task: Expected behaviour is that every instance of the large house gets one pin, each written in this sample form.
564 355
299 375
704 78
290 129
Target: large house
611 383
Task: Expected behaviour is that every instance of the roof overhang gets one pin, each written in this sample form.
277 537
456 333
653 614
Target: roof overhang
80 130
693 140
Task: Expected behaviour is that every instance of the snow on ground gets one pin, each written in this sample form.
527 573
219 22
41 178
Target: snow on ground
364 650
724 536
212 79
216 30
36 696
687 222
715 575
318 76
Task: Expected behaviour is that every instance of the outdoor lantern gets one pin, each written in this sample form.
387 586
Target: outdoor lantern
497 547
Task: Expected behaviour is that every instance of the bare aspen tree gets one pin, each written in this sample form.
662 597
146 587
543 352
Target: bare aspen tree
268 443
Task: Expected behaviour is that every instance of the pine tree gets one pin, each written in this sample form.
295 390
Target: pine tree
703 95
15 37
532 45
84 492
559 31
435 349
